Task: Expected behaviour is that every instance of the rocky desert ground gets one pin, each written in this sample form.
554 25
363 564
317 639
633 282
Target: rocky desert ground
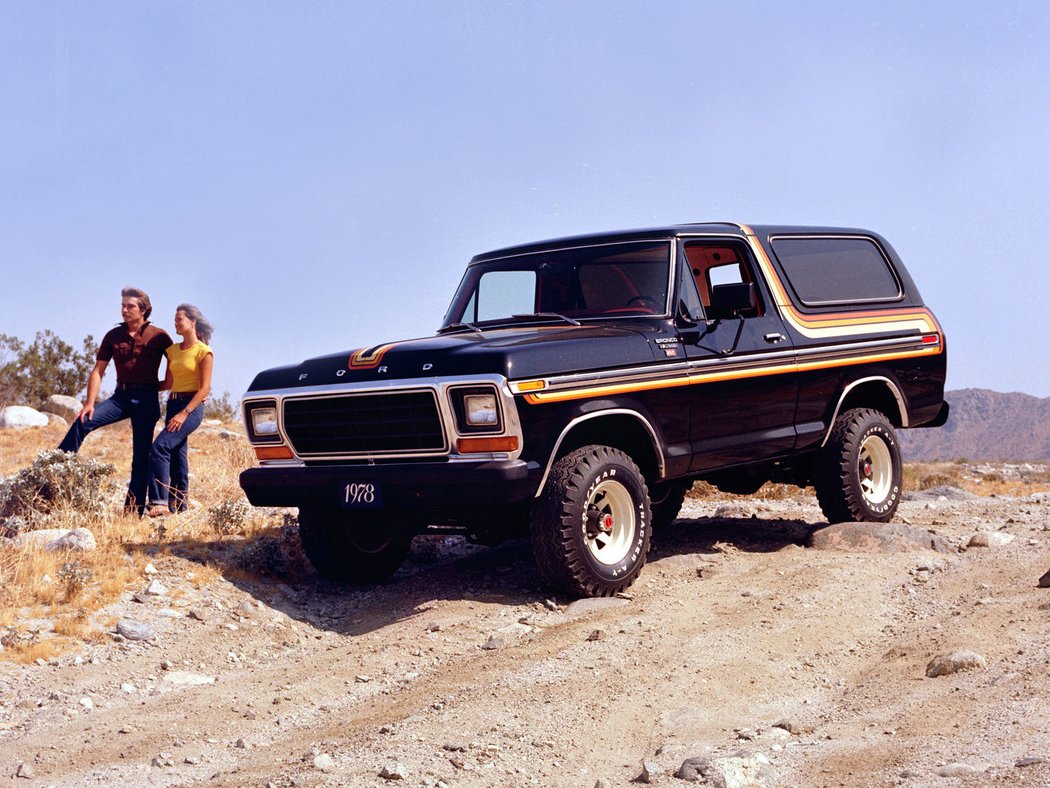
758 648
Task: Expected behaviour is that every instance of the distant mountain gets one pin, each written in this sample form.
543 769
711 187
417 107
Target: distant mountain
985 425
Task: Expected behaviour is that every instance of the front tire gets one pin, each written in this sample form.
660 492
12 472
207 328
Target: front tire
591 525
357 549
859 472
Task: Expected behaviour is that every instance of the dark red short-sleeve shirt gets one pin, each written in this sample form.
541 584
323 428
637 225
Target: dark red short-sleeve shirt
137 358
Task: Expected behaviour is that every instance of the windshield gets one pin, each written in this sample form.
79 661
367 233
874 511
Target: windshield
611 280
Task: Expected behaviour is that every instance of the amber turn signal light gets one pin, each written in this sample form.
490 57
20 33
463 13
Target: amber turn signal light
273 453
478 445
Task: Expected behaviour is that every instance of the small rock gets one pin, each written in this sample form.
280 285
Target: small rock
393 771
1030 761
957 770
1044 581
493 643
324 762
142 599
196 615
593 604
789 725
156 588
741 770
946 664
25 771
241 744
602 783
127 687
246 608
135 630
990 539
185 678
596 634
149 570
651 770
362 679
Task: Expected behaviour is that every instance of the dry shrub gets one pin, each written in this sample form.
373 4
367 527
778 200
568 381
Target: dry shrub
57 483
27 652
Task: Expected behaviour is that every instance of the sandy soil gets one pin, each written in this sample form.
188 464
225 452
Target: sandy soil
463 671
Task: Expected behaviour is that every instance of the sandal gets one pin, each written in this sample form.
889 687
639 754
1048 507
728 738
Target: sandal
158 511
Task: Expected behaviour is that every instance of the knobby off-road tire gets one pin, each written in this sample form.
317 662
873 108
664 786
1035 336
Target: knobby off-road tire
666 501
357 548
858 478
591 525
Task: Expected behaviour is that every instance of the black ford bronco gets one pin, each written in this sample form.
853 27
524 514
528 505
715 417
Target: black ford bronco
577 388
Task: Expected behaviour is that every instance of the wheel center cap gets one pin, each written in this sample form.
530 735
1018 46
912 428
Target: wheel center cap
865 469
605 523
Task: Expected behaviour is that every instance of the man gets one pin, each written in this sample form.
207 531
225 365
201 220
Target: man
136 347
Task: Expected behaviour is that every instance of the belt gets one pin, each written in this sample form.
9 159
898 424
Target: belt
137 386
181 394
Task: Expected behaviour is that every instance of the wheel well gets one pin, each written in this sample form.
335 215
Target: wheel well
874 394
620 431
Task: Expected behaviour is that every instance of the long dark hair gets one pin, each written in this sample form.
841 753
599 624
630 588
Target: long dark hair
200 322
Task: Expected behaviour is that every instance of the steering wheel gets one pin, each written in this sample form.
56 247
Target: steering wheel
645 302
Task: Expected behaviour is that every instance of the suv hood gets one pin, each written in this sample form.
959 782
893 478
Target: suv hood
516 353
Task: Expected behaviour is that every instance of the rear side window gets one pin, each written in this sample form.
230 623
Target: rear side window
825 271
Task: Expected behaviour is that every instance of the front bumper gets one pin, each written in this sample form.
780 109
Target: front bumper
403 486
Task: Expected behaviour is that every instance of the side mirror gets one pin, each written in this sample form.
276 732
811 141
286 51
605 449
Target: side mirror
731 299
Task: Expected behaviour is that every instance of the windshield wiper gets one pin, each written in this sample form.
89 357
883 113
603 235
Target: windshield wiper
451 327
547 316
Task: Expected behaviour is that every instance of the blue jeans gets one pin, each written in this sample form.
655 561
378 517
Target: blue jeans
143 408
169 465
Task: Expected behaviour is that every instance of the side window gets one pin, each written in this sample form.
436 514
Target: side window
836 270
719 263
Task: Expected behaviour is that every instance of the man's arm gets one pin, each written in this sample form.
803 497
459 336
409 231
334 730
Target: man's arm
94 384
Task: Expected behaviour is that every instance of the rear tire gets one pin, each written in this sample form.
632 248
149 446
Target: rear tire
858 477
355 548
591 525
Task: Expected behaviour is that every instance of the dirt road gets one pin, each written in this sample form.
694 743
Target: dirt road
807 664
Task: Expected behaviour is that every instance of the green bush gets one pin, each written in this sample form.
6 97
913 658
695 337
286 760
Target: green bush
56 480
29 374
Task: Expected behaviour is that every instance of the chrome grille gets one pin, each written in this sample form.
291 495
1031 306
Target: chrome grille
405 422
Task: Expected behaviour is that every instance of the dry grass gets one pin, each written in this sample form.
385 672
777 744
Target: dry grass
69 588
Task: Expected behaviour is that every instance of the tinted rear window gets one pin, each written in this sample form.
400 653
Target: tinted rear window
836 270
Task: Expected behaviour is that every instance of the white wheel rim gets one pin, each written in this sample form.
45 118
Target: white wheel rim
875 469
609 522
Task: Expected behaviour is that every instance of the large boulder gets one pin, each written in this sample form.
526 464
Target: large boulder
60 404
20 416
877 538
57 539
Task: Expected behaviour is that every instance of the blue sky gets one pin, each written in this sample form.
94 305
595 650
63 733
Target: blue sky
315 175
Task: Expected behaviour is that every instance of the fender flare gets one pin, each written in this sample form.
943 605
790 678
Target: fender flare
658 449
894 390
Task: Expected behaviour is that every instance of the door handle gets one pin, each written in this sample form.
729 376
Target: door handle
774 337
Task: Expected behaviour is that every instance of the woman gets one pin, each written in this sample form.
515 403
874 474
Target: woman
189 378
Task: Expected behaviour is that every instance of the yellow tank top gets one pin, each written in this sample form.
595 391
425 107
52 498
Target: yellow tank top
185 366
